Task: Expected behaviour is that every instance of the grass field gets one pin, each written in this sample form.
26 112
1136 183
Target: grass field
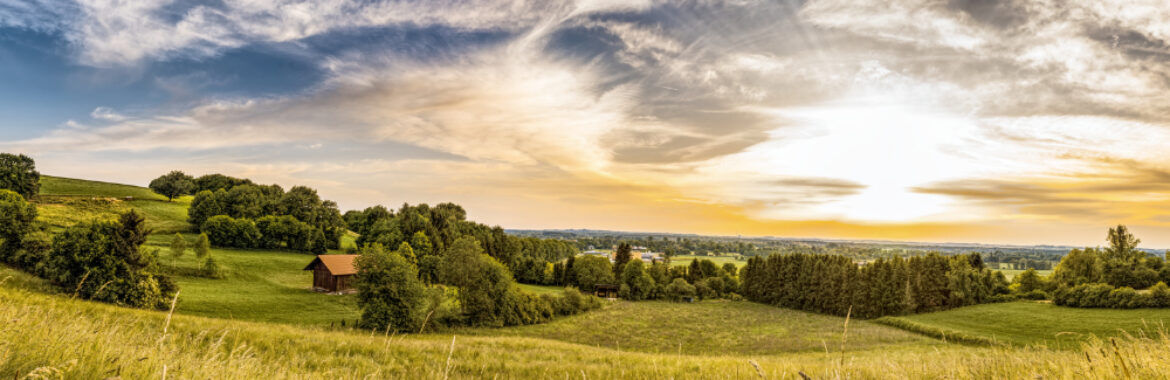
712 328
1035 323
684 260
63 202
1012 273
55 337
264 286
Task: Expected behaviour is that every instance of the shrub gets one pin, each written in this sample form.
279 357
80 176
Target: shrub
225 231
211 269
16 220
103 261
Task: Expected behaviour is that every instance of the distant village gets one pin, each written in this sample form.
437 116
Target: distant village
636 253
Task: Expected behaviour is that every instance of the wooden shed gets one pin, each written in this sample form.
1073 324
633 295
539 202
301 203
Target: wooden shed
333 273
605 290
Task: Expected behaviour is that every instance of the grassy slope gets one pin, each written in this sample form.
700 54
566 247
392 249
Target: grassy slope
1034 323
264 286
63 202
712 328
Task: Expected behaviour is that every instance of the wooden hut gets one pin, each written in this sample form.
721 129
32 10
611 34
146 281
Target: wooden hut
333 273
605 290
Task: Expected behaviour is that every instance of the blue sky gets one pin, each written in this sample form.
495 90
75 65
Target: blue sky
1022 121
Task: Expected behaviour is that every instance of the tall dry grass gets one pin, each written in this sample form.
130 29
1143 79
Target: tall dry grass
45 336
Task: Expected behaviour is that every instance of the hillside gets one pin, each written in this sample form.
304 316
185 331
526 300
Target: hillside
261 320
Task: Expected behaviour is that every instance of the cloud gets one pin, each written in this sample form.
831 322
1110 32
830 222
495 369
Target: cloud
836 113
107 114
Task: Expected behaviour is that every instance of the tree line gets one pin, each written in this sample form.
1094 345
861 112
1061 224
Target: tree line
430 230
837 285
238 213
1108 277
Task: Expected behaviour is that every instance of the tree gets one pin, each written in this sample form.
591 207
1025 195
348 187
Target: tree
225 231
421 244
1122 244
178 246
484 284
213 182
202 246
407 253
636 283
18 173
16 219
731 269
679 289
1029 281
390 294
589 271
620 258
173 184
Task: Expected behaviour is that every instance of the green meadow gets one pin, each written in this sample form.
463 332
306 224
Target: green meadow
1043 324
262 320
684 260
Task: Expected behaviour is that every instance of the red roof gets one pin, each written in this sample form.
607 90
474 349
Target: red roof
338 265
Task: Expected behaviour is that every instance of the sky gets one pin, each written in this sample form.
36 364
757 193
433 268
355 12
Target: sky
1003 122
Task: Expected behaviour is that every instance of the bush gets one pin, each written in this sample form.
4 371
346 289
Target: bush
211 269
16 220
103 261
571 301
225 231
1099 295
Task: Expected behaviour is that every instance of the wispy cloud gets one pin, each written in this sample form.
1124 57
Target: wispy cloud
943 117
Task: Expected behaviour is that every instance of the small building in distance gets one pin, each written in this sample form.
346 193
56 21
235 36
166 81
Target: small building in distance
333 273
606 291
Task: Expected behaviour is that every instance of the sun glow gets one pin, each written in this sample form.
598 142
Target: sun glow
885 150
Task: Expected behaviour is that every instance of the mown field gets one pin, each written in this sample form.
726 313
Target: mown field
1043 324
684 260
716 327
1012 273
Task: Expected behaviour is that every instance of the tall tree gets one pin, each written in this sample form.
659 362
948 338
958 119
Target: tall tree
173 184
620 258
390 294
19 174
202 246
178 246
1123 245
